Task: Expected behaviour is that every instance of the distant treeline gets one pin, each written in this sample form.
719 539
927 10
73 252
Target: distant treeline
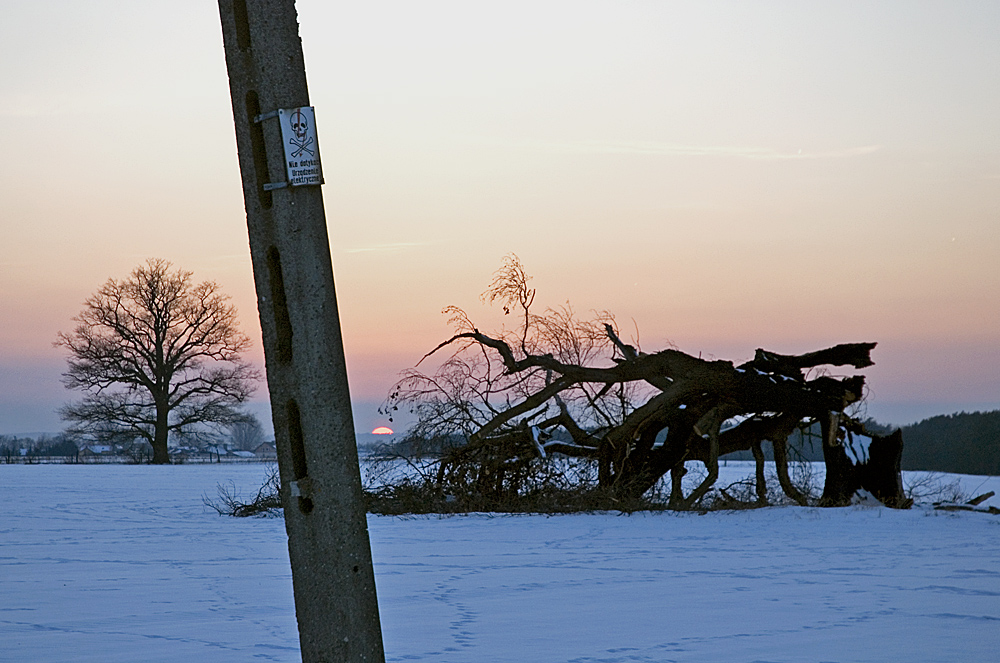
12 446
965 443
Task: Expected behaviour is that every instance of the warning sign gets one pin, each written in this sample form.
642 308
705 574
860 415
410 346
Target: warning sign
298 133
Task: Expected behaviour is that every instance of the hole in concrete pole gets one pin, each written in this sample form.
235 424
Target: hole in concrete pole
296 441
279 305
242 24
259 151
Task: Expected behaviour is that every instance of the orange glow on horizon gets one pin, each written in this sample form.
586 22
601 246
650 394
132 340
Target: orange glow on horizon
382 430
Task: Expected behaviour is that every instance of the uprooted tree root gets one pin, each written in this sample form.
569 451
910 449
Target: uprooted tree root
556 385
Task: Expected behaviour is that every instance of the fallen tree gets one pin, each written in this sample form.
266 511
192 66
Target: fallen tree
555 386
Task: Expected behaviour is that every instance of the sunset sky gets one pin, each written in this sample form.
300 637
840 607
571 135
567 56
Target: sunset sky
729 175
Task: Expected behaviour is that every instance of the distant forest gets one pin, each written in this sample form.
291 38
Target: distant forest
965 443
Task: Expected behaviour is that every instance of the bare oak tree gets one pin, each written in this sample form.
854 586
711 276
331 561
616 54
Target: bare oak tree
156 354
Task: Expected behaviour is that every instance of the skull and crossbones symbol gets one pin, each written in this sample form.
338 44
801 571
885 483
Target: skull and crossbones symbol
297 121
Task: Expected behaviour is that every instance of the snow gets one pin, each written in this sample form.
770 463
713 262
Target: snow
125 563
857 448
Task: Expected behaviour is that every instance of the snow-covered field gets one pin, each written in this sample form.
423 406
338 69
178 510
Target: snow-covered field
124 563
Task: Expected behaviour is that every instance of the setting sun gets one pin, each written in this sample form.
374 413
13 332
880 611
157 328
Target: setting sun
382 430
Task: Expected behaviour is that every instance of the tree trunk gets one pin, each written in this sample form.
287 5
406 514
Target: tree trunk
712 466
781 467
881 475
760 485
841 477
160 454
676 485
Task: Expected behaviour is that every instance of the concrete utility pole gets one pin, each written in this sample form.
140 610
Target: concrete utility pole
328 545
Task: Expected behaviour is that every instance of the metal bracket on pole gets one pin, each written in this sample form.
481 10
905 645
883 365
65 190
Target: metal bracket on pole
265 116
